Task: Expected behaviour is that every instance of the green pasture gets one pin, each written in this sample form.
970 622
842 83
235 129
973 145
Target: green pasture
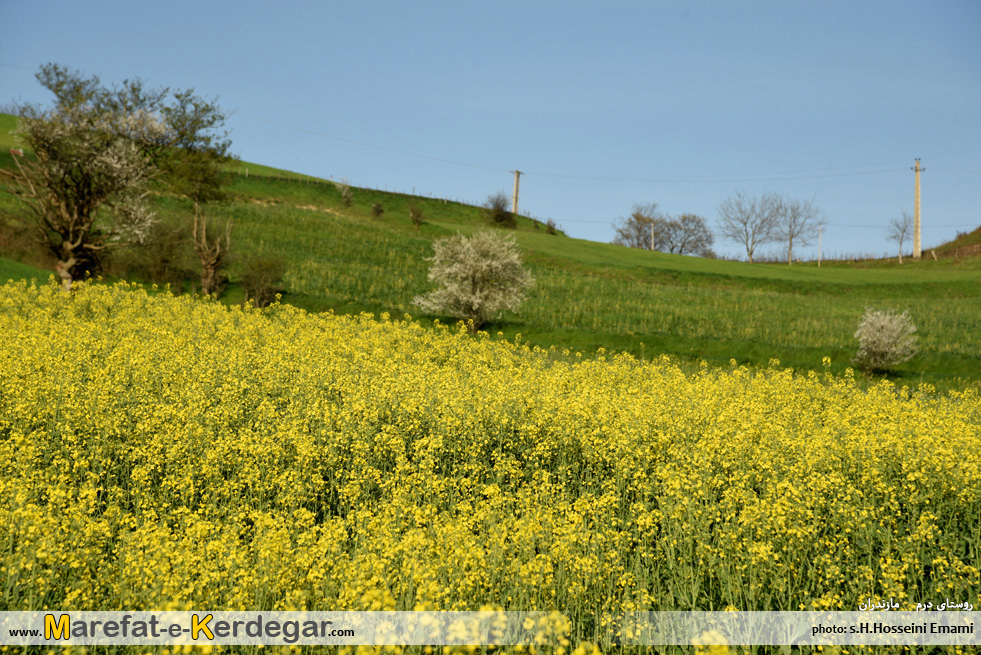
588 295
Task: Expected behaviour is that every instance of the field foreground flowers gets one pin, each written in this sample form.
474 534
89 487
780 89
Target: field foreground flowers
171 452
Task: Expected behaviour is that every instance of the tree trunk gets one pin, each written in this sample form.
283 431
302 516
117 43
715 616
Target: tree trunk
208 281
211 254
64 271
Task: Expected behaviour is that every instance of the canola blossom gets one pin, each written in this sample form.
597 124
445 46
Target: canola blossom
161 452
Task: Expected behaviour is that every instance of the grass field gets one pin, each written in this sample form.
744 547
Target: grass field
591 295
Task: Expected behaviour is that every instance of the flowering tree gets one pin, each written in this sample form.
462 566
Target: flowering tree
885 339
479 276
85 188
84 185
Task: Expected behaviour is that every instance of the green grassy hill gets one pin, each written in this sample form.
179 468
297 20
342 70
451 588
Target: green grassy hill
592 295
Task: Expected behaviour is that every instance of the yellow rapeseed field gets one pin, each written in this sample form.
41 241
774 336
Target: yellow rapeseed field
160 451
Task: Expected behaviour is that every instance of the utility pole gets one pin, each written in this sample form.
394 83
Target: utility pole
514 200
916 210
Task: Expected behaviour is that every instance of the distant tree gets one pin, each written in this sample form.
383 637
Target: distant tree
900 229
797 221
479 277
750 221
642 229
377 210
688 234
415 213
498 210
649 229
347 197
84 191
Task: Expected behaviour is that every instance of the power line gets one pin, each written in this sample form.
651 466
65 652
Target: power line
370 145
805 175
957 170
879 227
701 180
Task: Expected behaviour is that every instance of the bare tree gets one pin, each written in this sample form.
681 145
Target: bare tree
639 230
899 230
479 277
688 234
797 221
649 229
211 252
748 220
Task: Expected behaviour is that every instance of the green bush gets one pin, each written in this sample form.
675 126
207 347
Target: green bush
498 212
262 279
415 213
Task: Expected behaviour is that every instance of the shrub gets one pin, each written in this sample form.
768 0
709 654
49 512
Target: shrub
346 196
550 226
480 277
377 210
164 258
415 213
498 212
885 339
262 279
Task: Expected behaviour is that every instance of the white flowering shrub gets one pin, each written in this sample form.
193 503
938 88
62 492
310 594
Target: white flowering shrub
885 339
479 278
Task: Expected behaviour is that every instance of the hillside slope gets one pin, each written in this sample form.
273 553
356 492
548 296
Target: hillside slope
591 295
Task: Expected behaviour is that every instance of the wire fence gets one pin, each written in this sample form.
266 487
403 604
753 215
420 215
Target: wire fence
298 178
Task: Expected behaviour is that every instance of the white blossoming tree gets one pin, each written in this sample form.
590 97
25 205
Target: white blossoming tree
83 185
479 278
84 190
885 339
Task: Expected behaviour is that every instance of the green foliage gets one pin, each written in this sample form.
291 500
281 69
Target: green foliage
498 212
415 212
164 259
11 270
377 210
262 278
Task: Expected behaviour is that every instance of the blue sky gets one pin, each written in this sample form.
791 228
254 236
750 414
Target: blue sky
601 104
